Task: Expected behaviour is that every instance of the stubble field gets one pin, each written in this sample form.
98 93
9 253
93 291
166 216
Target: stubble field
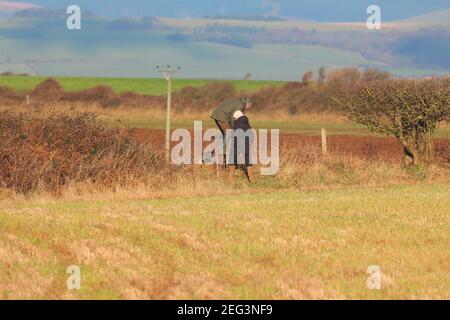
310 232
287 244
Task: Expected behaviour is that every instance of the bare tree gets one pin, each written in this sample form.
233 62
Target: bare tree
322 74
410 110
373 74
344 77
308 77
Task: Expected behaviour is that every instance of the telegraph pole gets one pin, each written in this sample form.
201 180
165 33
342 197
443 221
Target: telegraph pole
168 75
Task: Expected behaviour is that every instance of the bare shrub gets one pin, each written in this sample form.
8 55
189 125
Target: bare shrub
50 152
344 77
409 110
322 75
308 78
104 95
49 89
10 94
206 97
375 75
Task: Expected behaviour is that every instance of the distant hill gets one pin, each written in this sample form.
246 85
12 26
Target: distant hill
47 14
317 10
12 6
441 17
135 38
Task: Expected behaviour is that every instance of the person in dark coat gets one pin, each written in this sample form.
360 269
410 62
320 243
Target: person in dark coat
242 156
223 115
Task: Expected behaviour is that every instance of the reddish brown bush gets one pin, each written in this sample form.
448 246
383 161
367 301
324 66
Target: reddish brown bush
104 95
206 97
136 100
293 97
10 94
48 153
49 89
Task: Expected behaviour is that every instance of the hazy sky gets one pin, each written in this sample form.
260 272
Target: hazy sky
319 10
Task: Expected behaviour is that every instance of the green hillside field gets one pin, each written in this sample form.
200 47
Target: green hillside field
151 86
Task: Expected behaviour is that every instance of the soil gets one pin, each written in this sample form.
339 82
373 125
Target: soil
364 147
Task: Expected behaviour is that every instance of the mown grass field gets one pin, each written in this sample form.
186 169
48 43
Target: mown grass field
306 124
258 245
138 85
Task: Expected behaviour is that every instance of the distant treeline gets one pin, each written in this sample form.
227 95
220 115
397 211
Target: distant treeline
229 39
13 74
245 17
226 39
312 93
146 23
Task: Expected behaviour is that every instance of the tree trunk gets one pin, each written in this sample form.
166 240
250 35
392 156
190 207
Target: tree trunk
425 148
410 156
419 150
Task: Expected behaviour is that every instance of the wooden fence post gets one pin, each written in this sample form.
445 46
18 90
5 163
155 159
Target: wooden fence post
324 142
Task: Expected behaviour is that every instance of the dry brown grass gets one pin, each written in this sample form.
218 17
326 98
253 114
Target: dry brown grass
302 164
49 152
126 113
306 167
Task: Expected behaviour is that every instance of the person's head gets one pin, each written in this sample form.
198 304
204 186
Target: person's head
247 104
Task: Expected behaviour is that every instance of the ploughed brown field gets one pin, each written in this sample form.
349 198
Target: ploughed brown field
365 147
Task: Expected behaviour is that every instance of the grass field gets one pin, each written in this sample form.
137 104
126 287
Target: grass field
287 126
138 85
264 245
307 123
